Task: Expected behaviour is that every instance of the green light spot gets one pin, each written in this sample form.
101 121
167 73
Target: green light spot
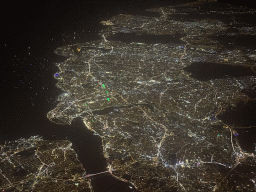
107 92
103 85
92 120
218 135
85 104
108 99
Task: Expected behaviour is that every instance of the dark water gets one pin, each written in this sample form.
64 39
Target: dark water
149 39
205 71
31 33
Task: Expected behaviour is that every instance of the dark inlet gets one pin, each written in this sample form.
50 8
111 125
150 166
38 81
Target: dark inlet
207 71
149 39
